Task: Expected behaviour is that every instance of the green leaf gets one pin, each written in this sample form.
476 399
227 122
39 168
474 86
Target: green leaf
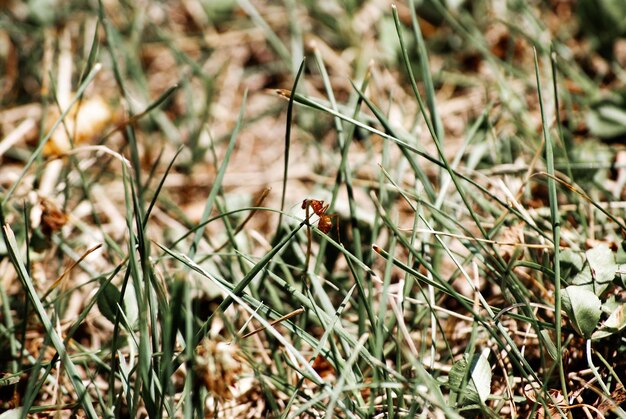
614 324
571 261
478 385
599 272
591 153
606 120
583 308
603 267
12 414
108 300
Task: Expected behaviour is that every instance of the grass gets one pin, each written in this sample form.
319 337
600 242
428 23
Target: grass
156 261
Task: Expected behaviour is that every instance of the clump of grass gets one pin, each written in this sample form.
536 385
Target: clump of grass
473 267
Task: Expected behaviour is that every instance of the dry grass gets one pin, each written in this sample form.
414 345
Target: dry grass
187 107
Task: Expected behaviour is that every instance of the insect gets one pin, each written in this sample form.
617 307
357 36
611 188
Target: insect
318 207
324 224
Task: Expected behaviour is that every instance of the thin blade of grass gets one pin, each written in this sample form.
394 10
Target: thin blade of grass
555 219
72 373
288 143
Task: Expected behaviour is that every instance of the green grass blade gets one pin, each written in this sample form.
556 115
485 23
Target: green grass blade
81 391
556 224
288 142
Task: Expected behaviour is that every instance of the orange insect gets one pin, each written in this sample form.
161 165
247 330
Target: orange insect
319 208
